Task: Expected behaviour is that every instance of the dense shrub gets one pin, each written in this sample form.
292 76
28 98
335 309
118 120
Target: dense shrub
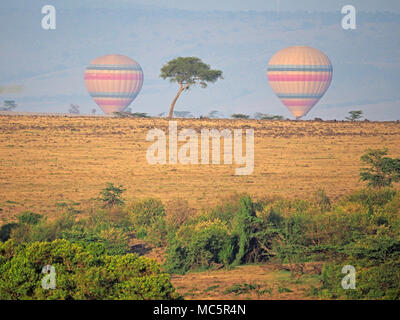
5 231
372 198
29 217
108 228
111 195
198 246
227 235
114 240
377 263
148 220
382 171
361 229
80 274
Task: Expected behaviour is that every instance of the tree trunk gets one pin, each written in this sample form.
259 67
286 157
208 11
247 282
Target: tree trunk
171 110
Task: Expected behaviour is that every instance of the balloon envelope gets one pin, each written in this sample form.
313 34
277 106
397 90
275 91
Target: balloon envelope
113 81
300 76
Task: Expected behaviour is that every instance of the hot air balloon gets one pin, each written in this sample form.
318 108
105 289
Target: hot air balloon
300 76
113 81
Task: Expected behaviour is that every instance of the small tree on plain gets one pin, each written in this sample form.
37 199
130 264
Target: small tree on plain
266 116
215 114
9 105
188 71
240 116
382 171
74 109
355 115
111 195
183 114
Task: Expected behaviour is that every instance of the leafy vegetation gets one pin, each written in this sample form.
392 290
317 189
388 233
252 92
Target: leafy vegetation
240 116
128 114
111 195
360 229
74 109
355 115
148 219
266 116
188 71
241 288
9 105
382 171
81 273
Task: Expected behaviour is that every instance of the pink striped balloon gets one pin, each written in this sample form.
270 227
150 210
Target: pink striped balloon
300 76
113 81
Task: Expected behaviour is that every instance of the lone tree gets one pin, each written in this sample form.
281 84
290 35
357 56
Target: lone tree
215 114
74 109
188 71
111 195
240 116
383 171
183 114
266 116
355 115
8 105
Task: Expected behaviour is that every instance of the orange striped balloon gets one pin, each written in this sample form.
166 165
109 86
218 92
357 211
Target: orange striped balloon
300 76
113 81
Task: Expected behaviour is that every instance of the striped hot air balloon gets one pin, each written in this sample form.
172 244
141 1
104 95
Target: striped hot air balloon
300 76
113 81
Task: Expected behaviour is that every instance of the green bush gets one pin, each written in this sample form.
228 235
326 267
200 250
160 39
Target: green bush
377 262
372 198
176 256
113 240
207 244
373 250
5 231
111 195
79 273
361 229
244 228
148 219
226 235
108 228
374 282
199 246
29 217
382 171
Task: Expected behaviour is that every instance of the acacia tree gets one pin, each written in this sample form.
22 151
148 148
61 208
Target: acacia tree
111 195
9 105
188 71
355 115
383 171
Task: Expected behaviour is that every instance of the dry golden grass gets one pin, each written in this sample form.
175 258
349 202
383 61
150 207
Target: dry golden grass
50 159
269 283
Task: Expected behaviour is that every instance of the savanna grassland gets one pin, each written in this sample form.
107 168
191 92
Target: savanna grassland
202 232
45 160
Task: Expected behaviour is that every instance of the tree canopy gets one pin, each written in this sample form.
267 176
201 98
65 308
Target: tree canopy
355 115
188 71
383 171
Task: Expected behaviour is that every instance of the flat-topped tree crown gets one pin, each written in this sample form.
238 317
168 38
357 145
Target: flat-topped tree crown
188 71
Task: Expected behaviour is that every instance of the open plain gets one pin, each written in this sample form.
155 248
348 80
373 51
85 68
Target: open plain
45 160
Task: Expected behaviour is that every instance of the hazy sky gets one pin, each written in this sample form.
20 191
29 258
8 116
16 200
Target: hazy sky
226 5
284 5
49 65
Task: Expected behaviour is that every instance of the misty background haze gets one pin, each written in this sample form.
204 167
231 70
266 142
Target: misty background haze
236 37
